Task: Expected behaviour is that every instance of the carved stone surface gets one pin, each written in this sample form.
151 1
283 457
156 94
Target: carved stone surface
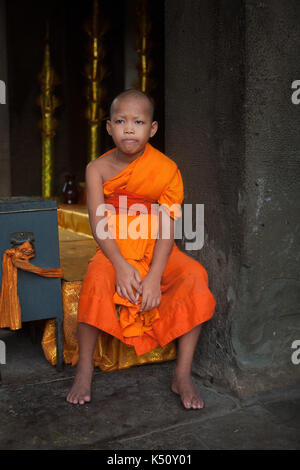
229 70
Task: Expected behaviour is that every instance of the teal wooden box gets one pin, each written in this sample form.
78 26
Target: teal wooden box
40 297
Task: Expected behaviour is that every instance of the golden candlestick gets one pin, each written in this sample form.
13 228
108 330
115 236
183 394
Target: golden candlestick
48 103
95 72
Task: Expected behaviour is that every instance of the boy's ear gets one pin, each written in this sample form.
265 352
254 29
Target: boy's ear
108 126
154 127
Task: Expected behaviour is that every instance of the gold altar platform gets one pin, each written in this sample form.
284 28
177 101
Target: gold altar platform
77 246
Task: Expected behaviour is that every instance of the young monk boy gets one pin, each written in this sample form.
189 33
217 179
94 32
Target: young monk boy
162 293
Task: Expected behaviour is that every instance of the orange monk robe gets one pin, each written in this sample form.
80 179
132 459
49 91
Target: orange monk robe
186 300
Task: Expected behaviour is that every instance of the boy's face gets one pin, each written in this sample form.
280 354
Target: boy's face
131 125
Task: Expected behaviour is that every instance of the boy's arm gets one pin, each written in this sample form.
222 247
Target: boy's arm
163 246
126 275
95 197
151 284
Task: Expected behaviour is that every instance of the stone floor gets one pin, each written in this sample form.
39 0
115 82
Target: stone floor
132 409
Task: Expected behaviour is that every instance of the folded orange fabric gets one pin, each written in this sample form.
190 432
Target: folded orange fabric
14 259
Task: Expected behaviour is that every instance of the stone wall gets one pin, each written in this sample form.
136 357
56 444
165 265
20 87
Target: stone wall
232 129
266 317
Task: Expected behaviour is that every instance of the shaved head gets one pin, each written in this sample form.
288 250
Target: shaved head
134 94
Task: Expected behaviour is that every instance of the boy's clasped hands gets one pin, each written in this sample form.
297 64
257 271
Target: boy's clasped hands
130 286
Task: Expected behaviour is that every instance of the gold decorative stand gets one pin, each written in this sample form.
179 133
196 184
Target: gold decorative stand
95 72
144 63
48 103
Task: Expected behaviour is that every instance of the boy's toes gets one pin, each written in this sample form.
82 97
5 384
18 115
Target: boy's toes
78 400
187 403
86 399
72 399
197 402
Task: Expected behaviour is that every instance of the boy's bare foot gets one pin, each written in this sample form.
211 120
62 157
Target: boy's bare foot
80 392
184 387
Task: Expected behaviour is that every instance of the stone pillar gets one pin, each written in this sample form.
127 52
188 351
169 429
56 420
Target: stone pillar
5 174
233 130
266 315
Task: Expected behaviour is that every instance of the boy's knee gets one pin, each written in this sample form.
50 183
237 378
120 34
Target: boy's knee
100 274
195 271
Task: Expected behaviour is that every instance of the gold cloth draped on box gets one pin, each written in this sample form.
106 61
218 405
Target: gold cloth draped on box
110 353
